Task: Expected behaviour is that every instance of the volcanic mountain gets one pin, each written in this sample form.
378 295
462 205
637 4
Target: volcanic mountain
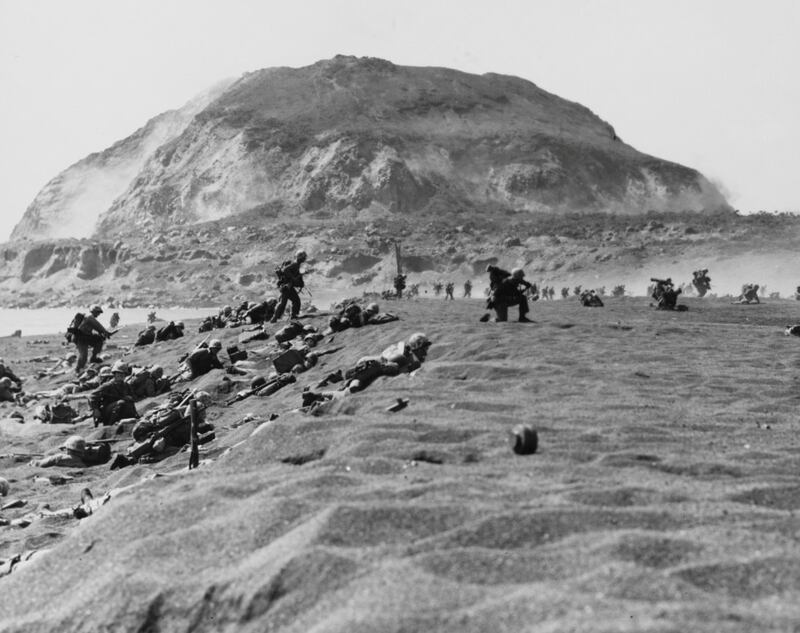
361 137
348 156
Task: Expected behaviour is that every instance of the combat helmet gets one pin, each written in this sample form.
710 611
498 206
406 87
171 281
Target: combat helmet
418 341
74 444
203 398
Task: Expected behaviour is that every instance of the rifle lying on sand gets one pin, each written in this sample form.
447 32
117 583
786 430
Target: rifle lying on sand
266 389
194 440
19 457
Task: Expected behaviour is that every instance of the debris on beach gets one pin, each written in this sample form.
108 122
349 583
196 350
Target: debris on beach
524 440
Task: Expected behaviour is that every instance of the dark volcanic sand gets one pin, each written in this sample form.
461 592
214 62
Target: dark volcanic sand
664 495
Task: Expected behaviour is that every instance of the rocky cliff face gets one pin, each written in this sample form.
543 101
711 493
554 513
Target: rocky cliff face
352 137
71 203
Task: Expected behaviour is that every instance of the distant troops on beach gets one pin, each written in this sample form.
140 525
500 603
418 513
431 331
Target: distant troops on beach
399 284
666 295
701 282
467 289
448 290
591 299
749 294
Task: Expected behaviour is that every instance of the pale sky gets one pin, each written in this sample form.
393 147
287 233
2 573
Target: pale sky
711 84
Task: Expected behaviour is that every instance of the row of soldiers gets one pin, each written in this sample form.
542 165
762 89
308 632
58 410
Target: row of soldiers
119 387
163 430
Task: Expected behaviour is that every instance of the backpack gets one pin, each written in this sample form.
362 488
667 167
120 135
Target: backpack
139 384
60 413
394 353
72 328
281 274
285 276
366 368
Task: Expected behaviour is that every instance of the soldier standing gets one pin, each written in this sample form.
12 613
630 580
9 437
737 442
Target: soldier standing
290 280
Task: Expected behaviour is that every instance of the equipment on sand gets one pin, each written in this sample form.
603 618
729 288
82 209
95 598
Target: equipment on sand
523 439
194 453
399 404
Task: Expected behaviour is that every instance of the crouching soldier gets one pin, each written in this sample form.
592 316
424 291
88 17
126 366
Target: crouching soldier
5 372
261 312
665 293
590 299
89 333
510 291
113 401
7 392
170 332
212 322
749 294
147 382
91 379
349 316
146 337
201 361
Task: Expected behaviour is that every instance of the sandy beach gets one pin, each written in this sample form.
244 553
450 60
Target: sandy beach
663 496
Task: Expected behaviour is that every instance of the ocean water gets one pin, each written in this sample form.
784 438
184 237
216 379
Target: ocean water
34 322
55 320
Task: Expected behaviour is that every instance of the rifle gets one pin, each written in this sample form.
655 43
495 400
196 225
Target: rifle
281 380
194 453
241 395
23 456
267 389
333 350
